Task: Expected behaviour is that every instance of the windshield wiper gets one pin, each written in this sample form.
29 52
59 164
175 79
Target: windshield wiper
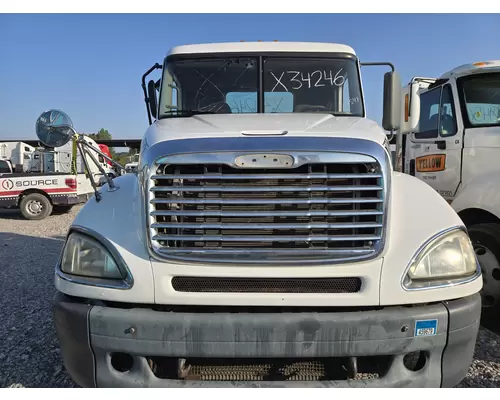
184 113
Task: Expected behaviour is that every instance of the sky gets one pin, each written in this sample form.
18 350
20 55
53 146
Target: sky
90 65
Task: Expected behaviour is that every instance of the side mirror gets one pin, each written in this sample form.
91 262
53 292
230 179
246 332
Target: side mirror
391 119
410 112
54 128
153 104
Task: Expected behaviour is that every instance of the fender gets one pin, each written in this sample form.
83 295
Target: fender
117 217
417 213
482 192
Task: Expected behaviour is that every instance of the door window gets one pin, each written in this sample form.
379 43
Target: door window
429 106
437 115
4 167
448 122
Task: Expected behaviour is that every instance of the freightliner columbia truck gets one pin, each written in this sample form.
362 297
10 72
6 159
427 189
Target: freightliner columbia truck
265 238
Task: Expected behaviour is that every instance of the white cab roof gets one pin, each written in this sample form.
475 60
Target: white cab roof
244 47
473 68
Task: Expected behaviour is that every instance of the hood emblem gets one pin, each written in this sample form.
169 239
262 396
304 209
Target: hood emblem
264 160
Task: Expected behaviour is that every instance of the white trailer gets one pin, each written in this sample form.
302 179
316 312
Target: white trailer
19 154
266 239
454 121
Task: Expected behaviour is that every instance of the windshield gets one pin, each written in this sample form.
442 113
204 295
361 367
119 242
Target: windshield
232 86
481 97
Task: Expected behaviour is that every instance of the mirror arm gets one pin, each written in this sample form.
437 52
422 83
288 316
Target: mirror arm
111 184
91 177
368 64
83 147
105 156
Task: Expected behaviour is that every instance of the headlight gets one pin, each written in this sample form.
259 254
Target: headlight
84 256
446 260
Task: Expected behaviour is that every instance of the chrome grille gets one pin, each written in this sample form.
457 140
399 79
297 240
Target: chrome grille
222 213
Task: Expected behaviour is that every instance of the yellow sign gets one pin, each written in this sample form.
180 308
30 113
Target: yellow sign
431 163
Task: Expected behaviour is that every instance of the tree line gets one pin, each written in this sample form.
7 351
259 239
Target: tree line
120 157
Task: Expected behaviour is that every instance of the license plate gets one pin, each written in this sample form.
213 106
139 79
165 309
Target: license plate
425 331
426 327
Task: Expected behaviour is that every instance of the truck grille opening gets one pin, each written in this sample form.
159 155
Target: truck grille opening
312 212
275 369
265 285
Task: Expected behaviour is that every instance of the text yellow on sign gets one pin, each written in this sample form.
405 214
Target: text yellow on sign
431 163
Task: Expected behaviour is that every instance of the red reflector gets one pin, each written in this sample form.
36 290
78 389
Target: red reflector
70 182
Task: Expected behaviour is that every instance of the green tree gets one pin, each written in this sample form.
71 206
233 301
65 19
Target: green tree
103 134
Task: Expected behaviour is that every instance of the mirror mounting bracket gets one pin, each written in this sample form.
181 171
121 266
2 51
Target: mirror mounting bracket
83 147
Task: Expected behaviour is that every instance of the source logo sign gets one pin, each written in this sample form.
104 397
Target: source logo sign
7 184
431 163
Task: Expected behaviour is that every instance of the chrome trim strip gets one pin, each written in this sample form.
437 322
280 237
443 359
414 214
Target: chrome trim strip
265 213
312 225
270 238
265 251
304 149
219 201
227 156
124 284
268 176
201 189
90 281
263 259
442 283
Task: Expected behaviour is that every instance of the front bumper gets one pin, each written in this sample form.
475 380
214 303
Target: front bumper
88 336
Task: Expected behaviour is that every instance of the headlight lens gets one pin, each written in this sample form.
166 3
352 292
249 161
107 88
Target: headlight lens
87 257
445 259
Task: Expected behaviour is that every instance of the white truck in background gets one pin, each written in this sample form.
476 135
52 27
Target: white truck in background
131 167
49 181
453 145
265 239
18 155
37 195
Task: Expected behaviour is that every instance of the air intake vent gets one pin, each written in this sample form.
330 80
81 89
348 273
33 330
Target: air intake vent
269 285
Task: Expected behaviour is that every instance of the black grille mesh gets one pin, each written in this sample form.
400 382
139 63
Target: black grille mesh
266 285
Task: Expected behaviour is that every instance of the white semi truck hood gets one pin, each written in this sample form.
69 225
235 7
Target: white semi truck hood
234 125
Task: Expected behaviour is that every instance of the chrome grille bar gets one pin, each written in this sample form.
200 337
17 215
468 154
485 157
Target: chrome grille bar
251 213
297 226
265 188
273 238
358 251
269 176
201 200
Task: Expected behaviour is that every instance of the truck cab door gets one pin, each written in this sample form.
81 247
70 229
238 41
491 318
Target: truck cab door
434 153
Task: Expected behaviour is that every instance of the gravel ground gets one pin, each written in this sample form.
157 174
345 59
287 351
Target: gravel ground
29 353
